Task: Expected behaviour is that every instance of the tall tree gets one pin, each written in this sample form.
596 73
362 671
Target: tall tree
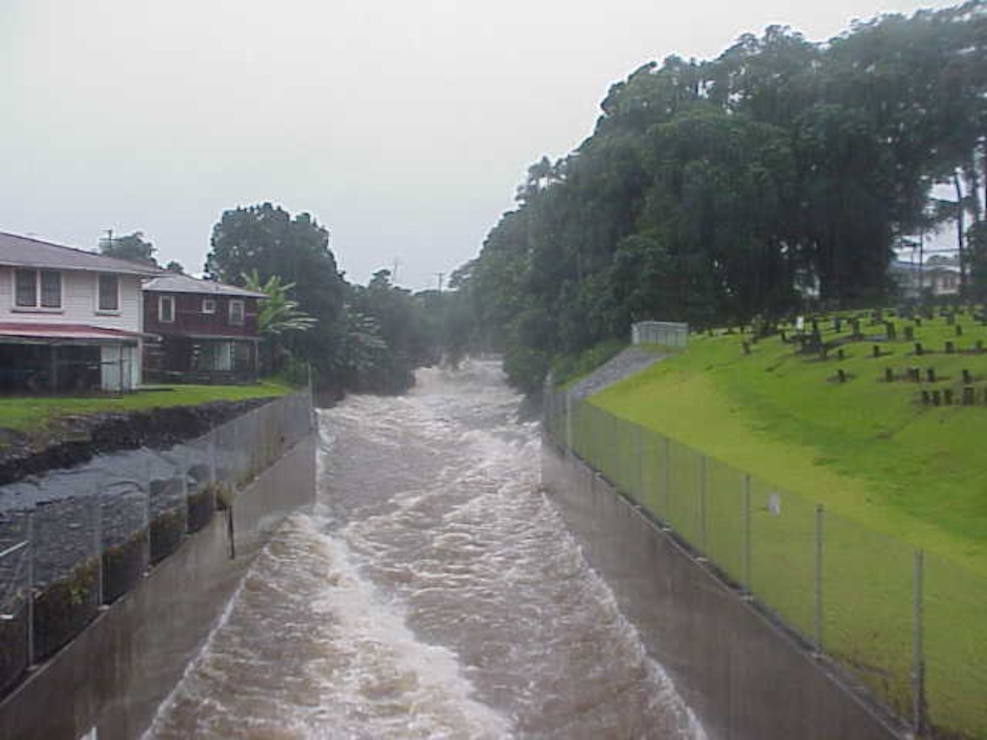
717 191
267 239
131 247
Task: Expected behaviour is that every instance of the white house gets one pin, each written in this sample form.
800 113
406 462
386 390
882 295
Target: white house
935 279
69 319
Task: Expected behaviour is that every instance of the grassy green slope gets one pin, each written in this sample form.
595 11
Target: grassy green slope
866 448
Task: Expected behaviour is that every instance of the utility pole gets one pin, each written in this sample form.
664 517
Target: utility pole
440 275
109 238
394 271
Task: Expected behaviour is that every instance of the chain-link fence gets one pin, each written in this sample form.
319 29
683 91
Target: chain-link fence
909 626
74 539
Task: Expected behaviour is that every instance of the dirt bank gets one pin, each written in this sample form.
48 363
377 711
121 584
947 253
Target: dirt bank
75 439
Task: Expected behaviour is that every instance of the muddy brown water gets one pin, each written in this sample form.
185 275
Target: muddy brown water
434 592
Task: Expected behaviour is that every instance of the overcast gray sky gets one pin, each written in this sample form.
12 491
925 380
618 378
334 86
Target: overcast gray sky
402 125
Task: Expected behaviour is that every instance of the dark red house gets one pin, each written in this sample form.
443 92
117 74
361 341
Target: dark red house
208 331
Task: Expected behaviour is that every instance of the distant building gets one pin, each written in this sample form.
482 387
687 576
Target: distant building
207 330
939 278
70 320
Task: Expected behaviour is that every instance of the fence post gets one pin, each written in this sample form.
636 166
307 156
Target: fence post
818 616
567 415
211 451
98 541
918 648
639 493
148 511
30 588
746 538
703 492
666 477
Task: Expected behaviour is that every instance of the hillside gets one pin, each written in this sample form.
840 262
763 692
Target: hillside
869 449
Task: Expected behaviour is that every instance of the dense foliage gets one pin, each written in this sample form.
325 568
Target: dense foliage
724 190
131 247
356 338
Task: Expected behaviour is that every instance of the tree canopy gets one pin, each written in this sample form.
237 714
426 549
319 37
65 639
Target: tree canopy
356 338
718 191
131 247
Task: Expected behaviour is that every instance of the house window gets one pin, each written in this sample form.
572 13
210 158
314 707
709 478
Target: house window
26 288
51 289
166 309
109 293
236 313
38 289
208 305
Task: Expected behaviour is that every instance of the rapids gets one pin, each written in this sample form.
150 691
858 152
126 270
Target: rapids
433 592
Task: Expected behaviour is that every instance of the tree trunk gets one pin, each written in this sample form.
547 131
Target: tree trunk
960 229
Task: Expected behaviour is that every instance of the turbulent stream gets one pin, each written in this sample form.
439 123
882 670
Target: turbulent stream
434 592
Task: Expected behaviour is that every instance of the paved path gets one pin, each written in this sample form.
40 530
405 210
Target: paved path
628 362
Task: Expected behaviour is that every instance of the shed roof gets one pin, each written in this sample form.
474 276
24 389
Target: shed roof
22 251
175 283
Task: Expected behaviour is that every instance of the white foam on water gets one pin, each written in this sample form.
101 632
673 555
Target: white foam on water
335 660
435 593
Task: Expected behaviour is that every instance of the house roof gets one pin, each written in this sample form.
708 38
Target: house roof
175 283
903 266
22 251
24 330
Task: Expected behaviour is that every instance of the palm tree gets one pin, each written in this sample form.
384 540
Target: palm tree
278 315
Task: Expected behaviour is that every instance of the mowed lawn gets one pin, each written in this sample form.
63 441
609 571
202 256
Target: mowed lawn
35 413
892 473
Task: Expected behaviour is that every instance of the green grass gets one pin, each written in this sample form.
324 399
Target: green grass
866 448
891 473
36 413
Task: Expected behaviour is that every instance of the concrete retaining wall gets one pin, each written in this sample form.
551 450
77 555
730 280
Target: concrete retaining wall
116 673
741 673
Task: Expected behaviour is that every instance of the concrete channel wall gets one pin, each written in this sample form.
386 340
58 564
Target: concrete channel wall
114 675
740 672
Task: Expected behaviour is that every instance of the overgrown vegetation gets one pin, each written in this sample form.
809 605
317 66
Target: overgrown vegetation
356 338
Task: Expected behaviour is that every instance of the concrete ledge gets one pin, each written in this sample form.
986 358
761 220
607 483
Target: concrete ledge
124 664
743 675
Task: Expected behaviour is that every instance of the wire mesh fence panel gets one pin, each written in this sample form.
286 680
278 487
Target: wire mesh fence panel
626 462
124 501
224 451
652 469
169 507
66 566
955 642
846 589
197 465
587 429
866 611
684 496
300 418
782 554
609 447
15 591
271 429
725 518
240 454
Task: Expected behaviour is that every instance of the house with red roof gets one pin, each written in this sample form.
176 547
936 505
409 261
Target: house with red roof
70 320
207 331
